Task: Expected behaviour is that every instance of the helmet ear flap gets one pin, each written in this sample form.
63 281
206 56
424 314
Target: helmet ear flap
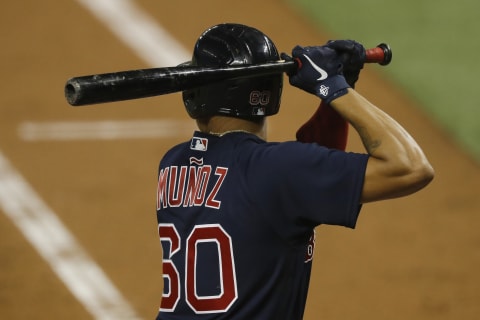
249 98
189 102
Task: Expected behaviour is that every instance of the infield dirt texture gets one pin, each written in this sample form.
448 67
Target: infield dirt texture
411 258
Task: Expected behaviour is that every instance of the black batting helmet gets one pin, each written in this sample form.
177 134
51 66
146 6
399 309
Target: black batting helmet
248 98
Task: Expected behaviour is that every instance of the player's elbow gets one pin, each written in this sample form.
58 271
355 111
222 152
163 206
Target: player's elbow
384 180
416 168
411 169
419 176
411 182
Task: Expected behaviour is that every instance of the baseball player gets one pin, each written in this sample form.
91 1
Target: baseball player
236 214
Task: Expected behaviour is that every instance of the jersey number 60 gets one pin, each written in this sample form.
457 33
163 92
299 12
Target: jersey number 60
213 233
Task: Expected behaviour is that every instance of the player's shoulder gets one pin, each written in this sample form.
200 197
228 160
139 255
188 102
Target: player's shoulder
289 149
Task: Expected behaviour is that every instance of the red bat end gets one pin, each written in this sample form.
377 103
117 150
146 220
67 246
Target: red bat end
381 54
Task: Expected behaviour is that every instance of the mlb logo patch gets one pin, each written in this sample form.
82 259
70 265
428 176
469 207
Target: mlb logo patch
199 144
258 111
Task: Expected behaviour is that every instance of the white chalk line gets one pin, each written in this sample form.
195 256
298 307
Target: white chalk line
104 130
37 222
46 233
139 31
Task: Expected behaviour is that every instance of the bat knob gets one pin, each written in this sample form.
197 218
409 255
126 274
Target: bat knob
387 54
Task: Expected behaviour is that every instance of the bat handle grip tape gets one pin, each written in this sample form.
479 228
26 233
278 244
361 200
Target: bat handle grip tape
381 54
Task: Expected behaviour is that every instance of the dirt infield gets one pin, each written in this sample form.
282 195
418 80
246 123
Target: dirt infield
410 258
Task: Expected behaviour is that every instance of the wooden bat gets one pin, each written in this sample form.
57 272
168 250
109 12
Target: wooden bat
143 83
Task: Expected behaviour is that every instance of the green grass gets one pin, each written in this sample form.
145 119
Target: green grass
435 52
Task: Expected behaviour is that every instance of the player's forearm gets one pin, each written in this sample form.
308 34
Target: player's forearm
379 133
397 164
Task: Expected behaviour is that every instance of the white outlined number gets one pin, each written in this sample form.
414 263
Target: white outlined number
212 233
259 98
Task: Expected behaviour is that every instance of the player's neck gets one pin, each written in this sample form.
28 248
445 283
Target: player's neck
220 125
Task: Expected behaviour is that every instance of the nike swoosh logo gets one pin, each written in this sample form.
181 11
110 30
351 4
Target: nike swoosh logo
323 73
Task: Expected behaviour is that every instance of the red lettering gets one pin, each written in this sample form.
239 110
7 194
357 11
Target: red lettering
191 187
175 199
310 248
175 188
202 182
162 188
211 202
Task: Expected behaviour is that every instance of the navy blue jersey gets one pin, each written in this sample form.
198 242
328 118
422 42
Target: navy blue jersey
236 218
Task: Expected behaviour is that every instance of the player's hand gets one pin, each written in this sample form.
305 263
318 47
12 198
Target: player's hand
353 57
319 72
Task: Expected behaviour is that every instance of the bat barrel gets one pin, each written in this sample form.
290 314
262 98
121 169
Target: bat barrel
119 86
135 84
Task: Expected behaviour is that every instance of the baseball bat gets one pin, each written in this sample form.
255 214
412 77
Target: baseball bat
143 83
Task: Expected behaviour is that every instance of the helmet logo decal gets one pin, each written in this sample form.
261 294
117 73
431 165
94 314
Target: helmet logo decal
258 111
259 98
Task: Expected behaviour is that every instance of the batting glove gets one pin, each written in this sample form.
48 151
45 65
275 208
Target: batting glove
319 72
353 57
